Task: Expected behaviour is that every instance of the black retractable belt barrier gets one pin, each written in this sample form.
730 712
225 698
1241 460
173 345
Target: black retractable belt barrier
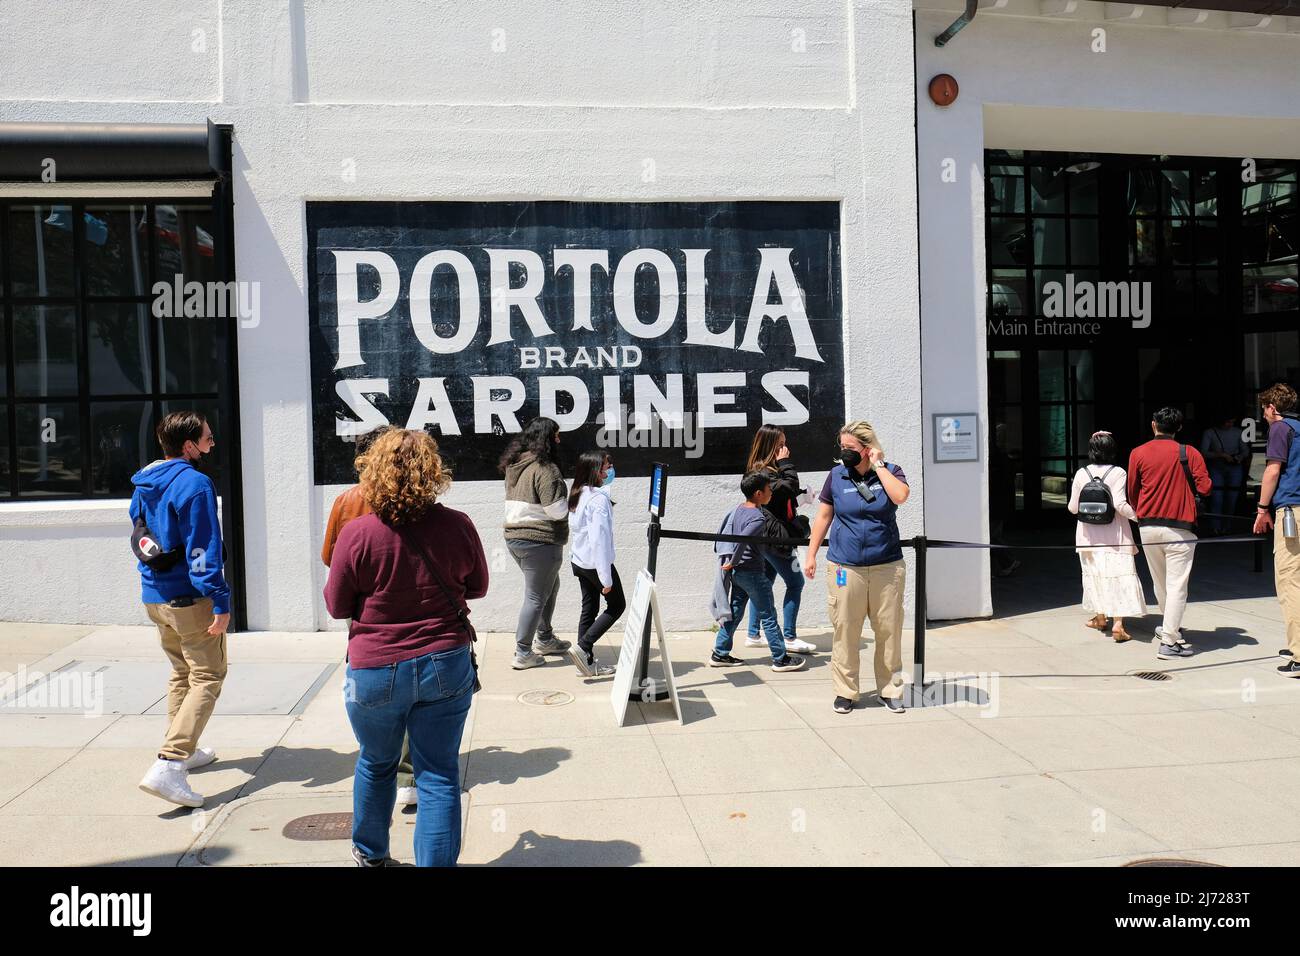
921 545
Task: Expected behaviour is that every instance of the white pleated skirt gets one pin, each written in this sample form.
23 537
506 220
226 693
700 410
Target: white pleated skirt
1110 584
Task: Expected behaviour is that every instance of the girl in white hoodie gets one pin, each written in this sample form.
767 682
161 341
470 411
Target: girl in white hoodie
591 533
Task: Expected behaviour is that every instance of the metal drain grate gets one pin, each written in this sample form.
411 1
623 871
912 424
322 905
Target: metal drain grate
320 826
1152 675
1172 861
545 698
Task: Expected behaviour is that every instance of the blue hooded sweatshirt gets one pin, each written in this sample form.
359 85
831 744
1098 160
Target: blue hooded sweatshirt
179 504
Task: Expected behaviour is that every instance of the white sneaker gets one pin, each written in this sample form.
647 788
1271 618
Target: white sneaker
407 796
200 758
522 662
800 647
755 642
167 779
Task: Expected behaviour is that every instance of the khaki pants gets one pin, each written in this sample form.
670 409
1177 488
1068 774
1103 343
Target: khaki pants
198 669
874 592
1169 554
1286 575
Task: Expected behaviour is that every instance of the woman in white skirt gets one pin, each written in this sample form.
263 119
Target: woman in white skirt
1111 588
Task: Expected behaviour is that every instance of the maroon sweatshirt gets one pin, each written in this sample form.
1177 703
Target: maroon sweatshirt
398 610
1158 488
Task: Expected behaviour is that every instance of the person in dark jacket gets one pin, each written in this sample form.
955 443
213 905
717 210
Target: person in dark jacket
189 602
770 454
403 574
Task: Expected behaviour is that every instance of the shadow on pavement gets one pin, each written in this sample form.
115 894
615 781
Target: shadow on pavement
536 849
313 767
495 764
1049 580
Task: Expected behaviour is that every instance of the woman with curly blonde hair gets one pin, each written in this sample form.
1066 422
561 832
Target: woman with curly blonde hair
403 574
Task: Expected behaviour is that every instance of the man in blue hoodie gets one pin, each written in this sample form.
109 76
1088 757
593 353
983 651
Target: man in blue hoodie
189 601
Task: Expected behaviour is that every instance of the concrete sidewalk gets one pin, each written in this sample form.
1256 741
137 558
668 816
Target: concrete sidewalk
1068 760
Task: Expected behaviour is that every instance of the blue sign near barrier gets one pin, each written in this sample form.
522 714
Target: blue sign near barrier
658 489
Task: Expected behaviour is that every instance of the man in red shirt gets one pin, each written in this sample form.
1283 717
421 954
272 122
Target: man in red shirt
1161 477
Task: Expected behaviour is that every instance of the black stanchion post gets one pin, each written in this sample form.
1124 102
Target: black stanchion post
643 665
1259 556
918 645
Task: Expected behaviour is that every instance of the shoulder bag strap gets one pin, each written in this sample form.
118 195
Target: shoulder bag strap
1187 472
462 612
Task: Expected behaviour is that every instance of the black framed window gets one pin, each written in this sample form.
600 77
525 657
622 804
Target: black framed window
86 366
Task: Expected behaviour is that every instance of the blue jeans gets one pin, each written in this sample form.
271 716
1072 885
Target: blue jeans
749 586
428 698
793 577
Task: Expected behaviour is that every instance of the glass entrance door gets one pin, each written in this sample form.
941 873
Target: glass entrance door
1065 421
1042 406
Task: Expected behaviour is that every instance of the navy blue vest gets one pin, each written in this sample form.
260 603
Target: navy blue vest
862 534
1288 485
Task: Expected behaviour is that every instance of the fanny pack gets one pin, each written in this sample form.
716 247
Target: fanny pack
144 543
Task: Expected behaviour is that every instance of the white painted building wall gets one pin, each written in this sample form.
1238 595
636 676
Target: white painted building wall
731 99
1211 84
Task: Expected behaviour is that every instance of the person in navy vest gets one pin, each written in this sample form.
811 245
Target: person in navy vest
866 574
1279 492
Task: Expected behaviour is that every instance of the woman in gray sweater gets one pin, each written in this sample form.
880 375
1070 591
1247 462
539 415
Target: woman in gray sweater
536 528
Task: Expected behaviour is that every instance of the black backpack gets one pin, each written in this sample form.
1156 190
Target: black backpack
1096 506
147 549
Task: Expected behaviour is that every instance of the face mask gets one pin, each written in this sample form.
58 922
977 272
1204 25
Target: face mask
609 476
850 457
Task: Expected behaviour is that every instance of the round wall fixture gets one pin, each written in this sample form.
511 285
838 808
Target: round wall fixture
943 89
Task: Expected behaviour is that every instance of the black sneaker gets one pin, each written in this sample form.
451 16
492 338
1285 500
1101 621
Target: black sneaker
724 660
1285 652
790 662
363 862
1290 669
892 704
843 705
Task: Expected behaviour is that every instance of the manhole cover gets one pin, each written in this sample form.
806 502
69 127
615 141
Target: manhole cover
320 826
546 698
1171 861
1152 675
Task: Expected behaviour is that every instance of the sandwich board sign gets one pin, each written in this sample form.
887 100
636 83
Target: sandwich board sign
643 607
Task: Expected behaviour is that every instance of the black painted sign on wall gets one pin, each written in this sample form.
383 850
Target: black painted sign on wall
660 331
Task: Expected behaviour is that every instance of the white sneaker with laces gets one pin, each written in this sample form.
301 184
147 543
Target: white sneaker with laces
522 663
200 758
167 779
407 796
800 647
755 641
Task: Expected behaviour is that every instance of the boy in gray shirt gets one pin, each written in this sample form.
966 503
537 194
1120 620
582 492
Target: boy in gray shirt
748 581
